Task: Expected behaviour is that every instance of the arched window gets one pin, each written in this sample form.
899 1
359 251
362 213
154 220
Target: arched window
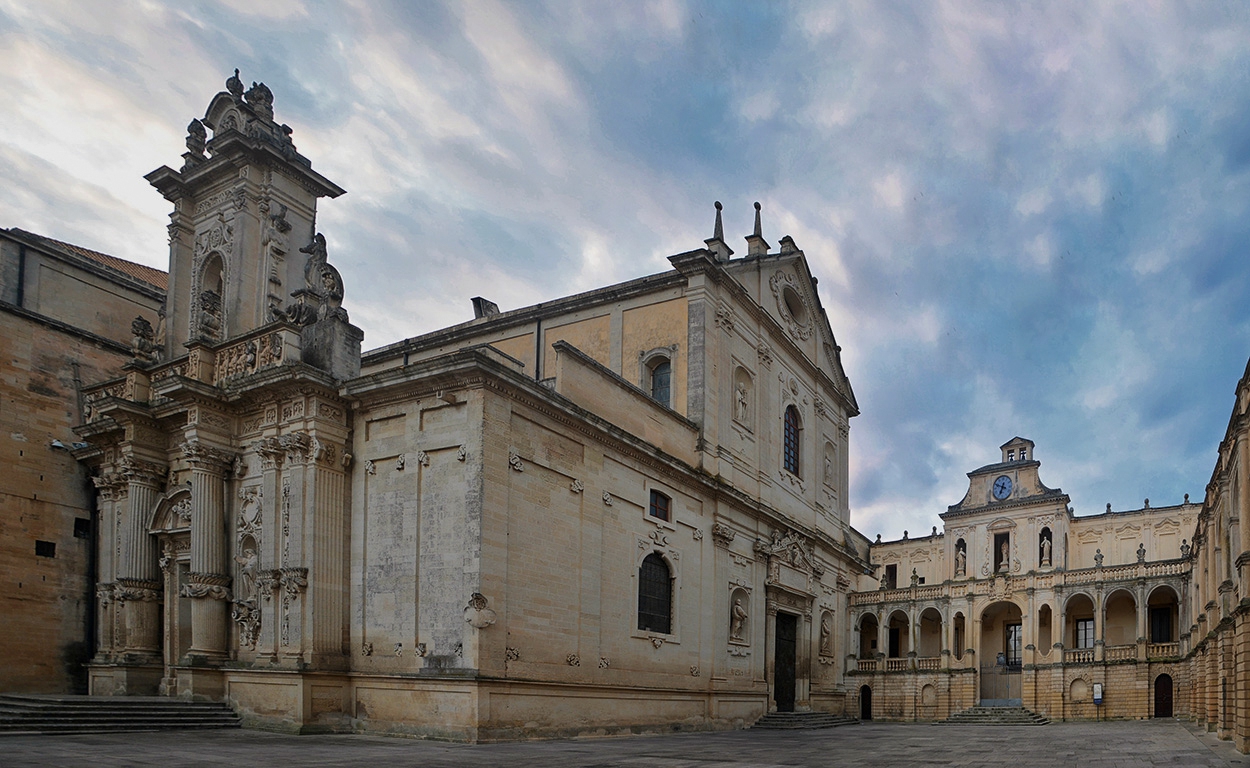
661 380
790 441
655 595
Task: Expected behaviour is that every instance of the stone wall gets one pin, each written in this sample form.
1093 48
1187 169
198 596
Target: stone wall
45 496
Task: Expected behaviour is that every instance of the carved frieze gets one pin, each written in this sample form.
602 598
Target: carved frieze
137 590
722 534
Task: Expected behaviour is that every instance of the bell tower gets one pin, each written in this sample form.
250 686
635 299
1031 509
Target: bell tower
243 247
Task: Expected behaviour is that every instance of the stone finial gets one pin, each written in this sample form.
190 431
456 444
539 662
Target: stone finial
787 245
756 244
1187 498
934 531
1108 507
1146 504
716 243
234 85
904 535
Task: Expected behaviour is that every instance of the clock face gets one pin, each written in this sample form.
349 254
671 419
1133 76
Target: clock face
1002 487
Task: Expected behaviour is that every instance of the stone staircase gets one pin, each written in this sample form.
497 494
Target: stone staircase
801 721
28 714
995 716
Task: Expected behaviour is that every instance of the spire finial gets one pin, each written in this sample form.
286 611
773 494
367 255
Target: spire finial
756 244
716 243
234 85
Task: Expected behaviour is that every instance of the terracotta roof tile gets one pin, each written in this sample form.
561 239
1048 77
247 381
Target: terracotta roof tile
150 275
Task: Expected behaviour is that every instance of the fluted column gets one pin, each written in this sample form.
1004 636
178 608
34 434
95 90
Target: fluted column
139 589
209 581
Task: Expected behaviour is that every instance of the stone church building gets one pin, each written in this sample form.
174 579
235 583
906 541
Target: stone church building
616 511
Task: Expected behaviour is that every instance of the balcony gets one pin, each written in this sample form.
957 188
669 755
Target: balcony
896 665
866 665
1163 650
1078 656
1119 652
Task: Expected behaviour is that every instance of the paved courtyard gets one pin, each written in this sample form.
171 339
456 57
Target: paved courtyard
1092 745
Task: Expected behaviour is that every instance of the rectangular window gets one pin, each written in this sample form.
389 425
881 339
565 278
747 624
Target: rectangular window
1084 633
1161 624
1012 645
660 505
45 548
82 528
891 577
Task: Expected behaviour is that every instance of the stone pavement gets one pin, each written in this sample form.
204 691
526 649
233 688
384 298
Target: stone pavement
1090 745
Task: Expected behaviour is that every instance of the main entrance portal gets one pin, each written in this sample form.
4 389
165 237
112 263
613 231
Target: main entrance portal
783 661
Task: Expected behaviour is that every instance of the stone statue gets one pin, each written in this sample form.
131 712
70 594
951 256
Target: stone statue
1006 553
247 574
961 562
738 621
826 635
1045 551
1097 558
317 256
1141 552
828 469
915 578
740 395
143 340
331 295
1185 548
197 138
210 314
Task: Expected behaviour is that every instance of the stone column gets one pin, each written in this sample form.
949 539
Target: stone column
139 589
1100 620
209 581
111 488
1062 640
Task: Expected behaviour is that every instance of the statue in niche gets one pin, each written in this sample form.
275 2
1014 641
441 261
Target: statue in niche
1006 553
248 563
828 469
737 624
740 400
1141 552
1098 558
961 562
210 314
1185 548
1045 551
826 635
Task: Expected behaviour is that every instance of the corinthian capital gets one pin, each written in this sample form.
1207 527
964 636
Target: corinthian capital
143 472
206 457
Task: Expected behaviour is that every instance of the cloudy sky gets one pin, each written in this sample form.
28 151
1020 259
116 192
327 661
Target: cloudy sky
1027 219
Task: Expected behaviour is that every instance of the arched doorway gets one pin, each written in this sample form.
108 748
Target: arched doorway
1163 696
865 703
1001 648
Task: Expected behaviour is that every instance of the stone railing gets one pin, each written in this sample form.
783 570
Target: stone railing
1078 656
929 663
1119 652
896 665
866 665
1163 650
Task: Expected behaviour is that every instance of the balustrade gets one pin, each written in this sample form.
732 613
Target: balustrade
1078 656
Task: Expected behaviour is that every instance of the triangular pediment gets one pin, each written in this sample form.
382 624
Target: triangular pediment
787 291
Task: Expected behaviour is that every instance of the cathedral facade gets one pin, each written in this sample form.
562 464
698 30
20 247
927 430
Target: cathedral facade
620 510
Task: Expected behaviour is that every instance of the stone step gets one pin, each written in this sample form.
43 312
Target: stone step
31 713
795 721
995 716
